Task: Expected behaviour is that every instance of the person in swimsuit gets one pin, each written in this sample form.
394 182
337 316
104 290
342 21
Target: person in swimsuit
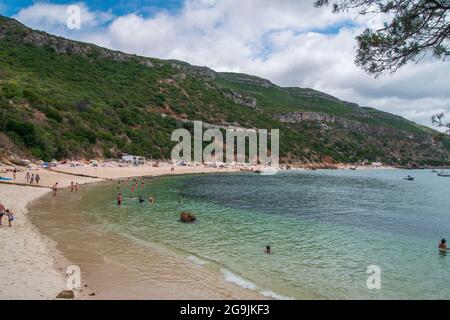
55 188
27 177
32 179
71 186
119 199
2 212
10 216
141 199
268 250
443 245
37 177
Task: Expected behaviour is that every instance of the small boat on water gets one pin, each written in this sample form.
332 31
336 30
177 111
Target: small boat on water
409 178
443 174
434 171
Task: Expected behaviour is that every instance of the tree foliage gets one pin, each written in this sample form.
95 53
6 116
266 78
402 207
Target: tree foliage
438 121
414 29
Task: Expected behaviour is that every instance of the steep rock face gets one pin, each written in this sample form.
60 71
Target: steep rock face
296 117
351 125
242 99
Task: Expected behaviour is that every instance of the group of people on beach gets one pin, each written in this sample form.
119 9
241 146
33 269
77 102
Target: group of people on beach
73 187
31 178
8 213
134 188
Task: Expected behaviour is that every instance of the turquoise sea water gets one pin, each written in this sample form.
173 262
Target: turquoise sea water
325 228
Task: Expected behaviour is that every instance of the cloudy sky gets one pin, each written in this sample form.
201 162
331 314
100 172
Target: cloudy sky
288 42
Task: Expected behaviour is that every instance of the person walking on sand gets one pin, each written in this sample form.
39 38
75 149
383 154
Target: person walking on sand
2 212
71 186
10 216
37 178
55 188
119 199
32 179
27 177
76 186
14 173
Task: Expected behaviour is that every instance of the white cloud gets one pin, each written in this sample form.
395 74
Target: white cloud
277 40
53 17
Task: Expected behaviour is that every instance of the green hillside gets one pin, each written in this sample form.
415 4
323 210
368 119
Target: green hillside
65 99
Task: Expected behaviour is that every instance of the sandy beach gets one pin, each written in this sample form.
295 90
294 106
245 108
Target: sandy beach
29 258
26 261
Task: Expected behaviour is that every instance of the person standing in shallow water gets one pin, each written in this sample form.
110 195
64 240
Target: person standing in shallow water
55 188
443 246
119 199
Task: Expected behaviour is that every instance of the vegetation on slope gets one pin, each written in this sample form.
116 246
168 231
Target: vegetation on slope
65 99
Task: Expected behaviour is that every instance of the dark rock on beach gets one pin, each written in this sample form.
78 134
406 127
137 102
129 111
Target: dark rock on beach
66 294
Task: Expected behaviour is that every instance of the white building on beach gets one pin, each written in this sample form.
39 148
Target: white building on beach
134 160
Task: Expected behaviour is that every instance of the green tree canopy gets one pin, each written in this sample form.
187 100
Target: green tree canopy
415 29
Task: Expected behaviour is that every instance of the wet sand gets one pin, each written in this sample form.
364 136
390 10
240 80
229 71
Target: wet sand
114 267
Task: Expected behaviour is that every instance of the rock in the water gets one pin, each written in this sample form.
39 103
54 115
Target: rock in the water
187 217
66 294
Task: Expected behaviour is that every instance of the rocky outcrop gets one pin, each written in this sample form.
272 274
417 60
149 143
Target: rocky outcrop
66 294
242 99
351 125
245 79
187 217
204 73
296 117
63 46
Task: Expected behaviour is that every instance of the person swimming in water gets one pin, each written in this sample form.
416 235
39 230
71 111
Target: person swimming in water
268 250
141 199
443 245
